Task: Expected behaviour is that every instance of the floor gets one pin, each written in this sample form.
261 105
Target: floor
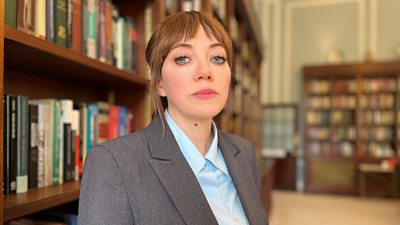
291 208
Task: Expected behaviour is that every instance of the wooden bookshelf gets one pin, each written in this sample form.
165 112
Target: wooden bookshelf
40 69
39 199
350 118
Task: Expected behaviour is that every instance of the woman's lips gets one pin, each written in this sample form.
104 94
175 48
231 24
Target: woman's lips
205 94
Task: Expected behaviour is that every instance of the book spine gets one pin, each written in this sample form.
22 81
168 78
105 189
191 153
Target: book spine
91 29
22 144
67 152
26 16
13 146
108 25
33 146
69 23
102 31
75 127
10 13
40 23
41 133
6 144
50 20
56 141
60 22
77 25
128 44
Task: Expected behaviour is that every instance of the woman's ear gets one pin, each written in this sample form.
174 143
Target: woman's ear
160 89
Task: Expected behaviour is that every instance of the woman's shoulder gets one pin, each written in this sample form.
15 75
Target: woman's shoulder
128 145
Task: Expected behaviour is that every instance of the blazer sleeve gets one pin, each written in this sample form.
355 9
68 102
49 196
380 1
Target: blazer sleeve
103 199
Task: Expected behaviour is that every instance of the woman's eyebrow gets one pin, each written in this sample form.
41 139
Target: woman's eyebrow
186 45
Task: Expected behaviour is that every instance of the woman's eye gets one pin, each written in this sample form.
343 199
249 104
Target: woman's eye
182 60
218 60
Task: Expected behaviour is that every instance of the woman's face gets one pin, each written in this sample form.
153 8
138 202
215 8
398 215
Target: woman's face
195 78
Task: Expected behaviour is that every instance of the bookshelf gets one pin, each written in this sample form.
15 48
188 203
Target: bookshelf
350 118
41 69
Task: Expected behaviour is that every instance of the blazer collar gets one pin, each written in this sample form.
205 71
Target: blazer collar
177 177
241 176
181 184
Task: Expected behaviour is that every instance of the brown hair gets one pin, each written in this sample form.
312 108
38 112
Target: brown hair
170 31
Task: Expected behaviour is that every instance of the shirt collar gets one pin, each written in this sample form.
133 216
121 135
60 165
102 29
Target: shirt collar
192 154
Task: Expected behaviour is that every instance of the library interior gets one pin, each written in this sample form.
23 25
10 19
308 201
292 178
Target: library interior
315 88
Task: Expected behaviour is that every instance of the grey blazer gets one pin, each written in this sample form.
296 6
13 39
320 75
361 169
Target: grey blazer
143 178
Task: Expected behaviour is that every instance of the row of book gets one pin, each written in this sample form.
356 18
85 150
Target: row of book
376 150
334 117
377 117
318 86
370 85
46 140
348 149
382 101
91 27
376 133
336 102
378 85
345 86
345 149
336 134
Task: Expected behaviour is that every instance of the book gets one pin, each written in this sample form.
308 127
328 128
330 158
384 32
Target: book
50 20
76 33
91 41
33 146
40 19
75 127
22 143
10 16
60 22
6 145
26 16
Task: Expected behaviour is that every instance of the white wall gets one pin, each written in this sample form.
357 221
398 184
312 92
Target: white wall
300 32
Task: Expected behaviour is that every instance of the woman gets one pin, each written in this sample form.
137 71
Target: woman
180 169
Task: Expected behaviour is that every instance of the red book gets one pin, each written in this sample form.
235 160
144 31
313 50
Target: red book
113 121
77 25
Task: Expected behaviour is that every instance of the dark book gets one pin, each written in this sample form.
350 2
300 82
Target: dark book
50 20
6 144
69 23
33 146
13 157
22 143
60 22
67 152
10 13
26 16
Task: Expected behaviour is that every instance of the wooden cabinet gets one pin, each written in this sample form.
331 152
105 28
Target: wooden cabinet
40 69
351 116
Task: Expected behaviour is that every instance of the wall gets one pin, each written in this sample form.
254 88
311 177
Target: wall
305 32
299 32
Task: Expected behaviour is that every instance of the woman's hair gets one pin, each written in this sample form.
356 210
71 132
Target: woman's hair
170 31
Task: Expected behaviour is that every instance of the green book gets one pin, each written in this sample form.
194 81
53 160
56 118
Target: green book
60 22
10 13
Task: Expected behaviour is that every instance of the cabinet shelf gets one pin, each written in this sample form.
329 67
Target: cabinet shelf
35 200
25 52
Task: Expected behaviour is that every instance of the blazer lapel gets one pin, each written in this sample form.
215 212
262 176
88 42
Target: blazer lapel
177 177
249 196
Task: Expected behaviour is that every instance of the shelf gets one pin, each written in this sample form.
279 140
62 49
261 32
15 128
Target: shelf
25 52
35 200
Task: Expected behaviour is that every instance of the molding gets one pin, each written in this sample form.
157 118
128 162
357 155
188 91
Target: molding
276 72
361 30
290 6
374 27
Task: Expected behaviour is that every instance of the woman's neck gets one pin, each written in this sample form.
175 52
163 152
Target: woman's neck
198 131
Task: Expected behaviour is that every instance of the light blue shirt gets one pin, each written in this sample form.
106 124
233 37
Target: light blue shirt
213 176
